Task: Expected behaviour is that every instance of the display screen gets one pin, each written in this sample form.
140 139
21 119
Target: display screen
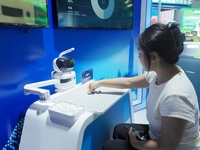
28 13
174 2
190 24
96 14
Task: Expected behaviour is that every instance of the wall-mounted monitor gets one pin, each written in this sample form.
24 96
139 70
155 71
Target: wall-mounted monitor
174 2
24 13
95 14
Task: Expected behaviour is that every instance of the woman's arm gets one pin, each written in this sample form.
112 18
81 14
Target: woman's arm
123 83
172 131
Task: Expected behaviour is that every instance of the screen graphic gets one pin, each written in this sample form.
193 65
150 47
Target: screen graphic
102 14
23 13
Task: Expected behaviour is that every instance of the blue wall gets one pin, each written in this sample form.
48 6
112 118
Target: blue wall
27 57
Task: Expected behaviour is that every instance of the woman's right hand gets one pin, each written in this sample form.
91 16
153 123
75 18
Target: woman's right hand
92 86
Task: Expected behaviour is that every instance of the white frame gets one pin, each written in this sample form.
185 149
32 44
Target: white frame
142 27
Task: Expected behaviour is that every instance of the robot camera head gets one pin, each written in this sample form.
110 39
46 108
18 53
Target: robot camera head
63 64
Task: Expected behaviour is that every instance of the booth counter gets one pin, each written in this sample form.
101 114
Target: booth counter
46 128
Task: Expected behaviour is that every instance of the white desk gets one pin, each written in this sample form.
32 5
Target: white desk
41 132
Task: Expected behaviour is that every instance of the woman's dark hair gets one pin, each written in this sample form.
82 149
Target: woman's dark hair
166 40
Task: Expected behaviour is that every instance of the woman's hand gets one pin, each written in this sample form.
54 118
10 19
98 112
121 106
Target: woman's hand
92 86
132 137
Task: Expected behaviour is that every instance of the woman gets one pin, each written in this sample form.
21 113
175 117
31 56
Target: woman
172 105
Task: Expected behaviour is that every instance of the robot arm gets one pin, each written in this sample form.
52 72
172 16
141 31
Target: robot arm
34 88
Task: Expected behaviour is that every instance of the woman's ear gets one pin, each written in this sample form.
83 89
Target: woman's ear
154 56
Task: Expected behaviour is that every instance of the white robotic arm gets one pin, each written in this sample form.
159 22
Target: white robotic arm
34 88
63 78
